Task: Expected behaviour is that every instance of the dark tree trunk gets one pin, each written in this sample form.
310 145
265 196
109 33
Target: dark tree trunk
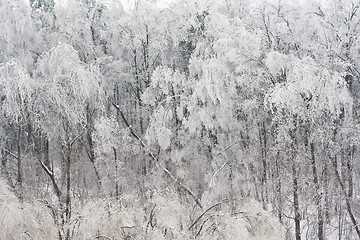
19 177
263 144
347 199
19 165
297 218
279 190
318 196
349 172
68 180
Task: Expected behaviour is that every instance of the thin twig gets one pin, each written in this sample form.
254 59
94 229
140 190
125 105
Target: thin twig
217 171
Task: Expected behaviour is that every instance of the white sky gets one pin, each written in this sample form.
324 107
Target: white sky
128 4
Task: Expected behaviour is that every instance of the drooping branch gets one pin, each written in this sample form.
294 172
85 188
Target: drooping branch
47 170
155 158
10 153
210 208
102 236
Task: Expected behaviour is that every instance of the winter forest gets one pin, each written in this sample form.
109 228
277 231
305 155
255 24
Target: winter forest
194 119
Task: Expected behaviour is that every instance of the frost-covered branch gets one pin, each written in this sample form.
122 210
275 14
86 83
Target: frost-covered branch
155 159
207 210
10 153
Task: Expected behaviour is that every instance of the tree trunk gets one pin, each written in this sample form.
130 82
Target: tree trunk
263 144
67 163
294 147
318 196
279 190
68 191
349 172
92 160
19 165
116 175
68 186
19 177
90 151
296 201
347 199
326 192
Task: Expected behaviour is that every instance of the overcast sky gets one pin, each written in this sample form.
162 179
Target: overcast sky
128 4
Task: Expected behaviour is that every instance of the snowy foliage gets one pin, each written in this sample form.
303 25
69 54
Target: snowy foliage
107 135
164 219
310 90
18 38
31 220
251 222
16 88
182 121
67 86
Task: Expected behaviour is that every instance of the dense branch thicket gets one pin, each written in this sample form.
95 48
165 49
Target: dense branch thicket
219 119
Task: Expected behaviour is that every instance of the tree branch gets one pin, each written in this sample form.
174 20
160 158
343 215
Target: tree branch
175 179
10 153
207 210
